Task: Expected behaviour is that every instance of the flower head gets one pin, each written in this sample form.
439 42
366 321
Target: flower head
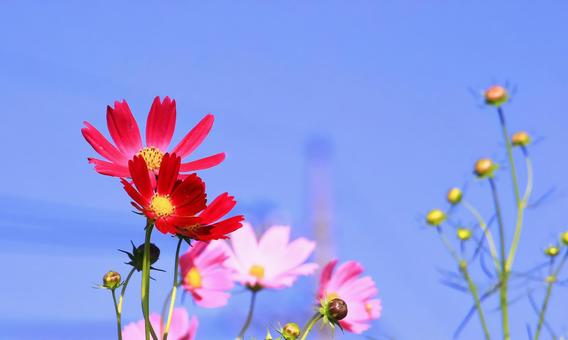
181 328
111 280
552 251
484 168
464 234
159 131
358 294
290 331
177 206
454 195
435 217
565 238
205 275
496 95
270 262
521 138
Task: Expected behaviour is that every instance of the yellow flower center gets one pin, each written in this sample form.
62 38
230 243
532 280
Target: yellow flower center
152 156
161 206
257 271
332 295
369 308
193 278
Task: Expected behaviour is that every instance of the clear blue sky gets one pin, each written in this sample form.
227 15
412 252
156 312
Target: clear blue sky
385 81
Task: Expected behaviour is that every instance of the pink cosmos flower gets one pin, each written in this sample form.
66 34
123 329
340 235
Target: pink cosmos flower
181 327
159 131
271 262
205 275
357 292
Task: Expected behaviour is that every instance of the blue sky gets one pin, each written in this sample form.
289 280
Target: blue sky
387 83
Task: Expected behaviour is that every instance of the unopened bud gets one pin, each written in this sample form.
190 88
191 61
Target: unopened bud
521 138
565 238
291 331
484 168
496 95
550 279
111 280
552 251
464 234
337 309
137 255
454 195
435 217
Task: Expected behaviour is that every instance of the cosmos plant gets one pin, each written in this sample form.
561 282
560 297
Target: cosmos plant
494 244
222 249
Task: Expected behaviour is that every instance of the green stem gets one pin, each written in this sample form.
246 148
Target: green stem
486 232
123 290
146 281
174 290
317 317
505 272
448 245
543 310
475 294
117 311
509 154
246 325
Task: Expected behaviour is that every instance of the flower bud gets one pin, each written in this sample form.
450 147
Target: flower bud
484 167
552 251
435 217
137 255
111 280
496 95
464 234
454 195
337 309
291 331
565 238
550 279
521 138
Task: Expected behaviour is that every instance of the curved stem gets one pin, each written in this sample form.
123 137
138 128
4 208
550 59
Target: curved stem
146 281
486 232
543 310
118 306
475 294
246 325
505 272
448 245
174 290
117 311
317 317
509 154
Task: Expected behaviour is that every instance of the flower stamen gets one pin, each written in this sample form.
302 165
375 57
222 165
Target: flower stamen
257 271
152 156
193 278
161 206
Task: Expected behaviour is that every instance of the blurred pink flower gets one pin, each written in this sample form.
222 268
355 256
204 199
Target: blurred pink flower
181 328
357 292
271 262
205 275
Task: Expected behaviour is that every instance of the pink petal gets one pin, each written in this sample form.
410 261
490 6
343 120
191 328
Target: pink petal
161 123
274 241
194 137
212 298
203 163
124 129
245 248
102 145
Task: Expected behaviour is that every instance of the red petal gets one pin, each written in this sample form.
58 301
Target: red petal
109 169
134 194
218 208
203 163
141 176
123 128
102 145
189 196
161 123
168 174
194 137
225 227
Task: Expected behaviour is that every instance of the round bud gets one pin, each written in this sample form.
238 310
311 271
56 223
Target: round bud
565 238
454 195
521 138
337 309
552 251
291 331
435 217
496 95
464 234
484 167
111 280
550 279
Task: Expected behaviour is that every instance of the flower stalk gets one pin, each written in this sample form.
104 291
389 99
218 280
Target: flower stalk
174 291
248 320
146 281
317 317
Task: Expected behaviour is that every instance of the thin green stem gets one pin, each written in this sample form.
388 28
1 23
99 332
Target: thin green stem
504 304
475 294
317 317
117 311
146 281
246 325
486 232
509 154
543 310
447 244
174 290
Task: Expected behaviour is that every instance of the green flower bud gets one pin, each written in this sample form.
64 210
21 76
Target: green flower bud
454 195
552 251
137 255
291 331
521 138
565 238
464 234
550 279
496 95
111 280
435 217
484 168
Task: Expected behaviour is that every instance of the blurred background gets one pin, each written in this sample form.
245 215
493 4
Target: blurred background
353 117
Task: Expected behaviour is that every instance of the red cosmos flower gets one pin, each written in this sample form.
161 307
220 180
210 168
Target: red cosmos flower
159 131
179 207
